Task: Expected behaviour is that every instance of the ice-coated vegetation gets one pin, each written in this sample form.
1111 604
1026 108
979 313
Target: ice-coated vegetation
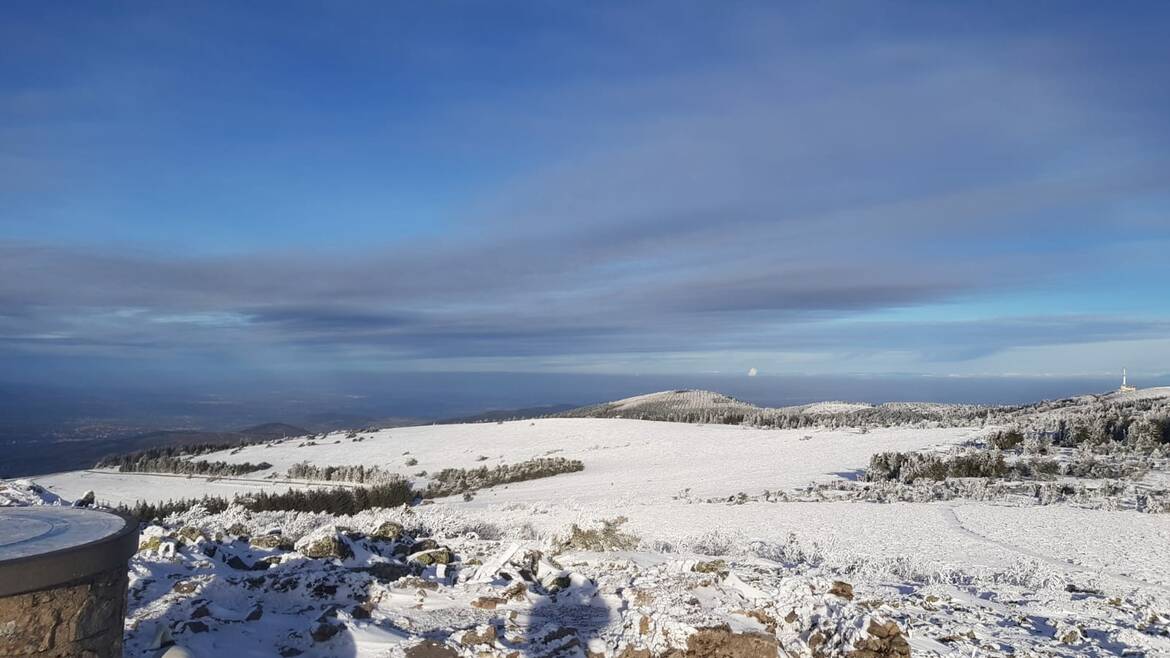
383 489
358 473
1109 417
133 461
183 466
453 481
338 500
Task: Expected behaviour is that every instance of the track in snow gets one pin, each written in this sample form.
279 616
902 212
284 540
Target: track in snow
955 522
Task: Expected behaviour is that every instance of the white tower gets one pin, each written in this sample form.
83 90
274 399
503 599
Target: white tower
1125 387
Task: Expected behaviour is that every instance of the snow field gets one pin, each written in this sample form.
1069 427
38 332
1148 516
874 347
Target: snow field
962 578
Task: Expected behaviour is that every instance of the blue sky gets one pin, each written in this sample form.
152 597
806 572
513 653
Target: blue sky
316 190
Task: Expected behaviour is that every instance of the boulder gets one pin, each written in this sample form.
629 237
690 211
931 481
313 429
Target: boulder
487 602
441 555
323 544
190 534
162 545
236 562
388 531
551 577
842 589
424 545
474 637
272 542
716 567
885 640
324 631
1068 633
387 571
185 586
86 500
428 649
239 530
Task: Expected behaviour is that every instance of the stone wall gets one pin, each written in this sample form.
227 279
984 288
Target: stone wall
81 619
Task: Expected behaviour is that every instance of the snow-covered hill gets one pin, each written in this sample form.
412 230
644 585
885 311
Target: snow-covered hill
696 406
650 547
693 406
624 459
685 406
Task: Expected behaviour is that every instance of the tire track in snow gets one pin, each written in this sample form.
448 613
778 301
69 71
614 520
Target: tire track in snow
956 523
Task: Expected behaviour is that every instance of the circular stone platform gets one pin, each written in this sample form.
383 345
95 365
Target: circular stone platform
48 546
63 581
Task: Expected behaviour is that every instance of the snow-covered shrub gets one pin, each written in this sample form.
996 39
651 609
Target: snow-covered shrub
913 466
1008 440
885 466
1037 444
1148 435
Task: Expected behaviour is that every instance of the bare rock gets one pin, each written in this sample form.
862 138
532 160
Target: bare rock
388 531
474 637
885 641
272 541
324 543
487 602
440 555
842 589
720 642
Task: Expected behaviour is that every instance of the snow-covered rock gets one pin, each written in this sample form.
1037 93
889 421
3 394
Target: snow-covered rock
20 493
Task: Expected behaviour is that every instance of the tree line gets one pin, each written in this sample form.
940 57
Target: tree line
337 500
187 467
454 481
359 474
393 492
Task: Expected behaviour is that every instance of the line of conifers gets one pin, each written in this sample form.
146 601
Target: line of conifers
392 492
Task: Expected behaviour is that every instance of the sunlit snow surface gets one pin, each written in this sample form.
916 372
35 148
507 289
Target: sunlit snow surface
962 578
625 460
26 531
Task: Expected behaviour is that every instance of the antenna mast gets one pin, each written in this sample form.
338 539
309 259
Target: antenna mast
1125 387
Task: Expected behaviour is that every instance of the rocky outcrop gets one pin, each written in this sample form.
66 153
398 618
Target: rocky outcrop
388 531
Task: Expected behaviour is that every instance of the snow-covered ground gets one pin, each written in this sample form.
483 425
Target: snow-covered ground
625 460
959 578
